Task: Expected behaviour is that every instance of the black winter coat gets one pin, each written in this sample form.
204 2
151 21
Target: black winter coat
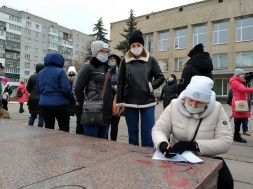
169 92
34 98
199 64
90 79
137 80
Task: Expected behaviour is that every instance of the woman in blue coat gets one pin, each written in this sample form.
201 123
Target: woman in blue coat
55 92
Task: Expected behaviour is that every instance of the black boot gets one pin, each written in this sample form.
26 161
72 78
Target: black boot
238 138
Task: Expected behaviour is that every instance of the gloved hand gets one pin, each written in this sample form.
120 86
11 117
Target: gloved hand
182 146
167 152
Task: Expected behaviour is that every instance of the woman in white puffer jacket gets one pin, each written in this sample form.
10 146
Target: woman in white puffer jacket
174 131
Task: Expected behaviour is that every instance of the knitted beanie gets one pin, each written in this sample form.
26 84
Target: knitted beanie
200 88
72 69
239 71
97 46
136 37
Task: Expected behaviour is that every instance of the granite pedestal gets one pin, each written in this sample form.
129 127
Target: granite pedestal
33 157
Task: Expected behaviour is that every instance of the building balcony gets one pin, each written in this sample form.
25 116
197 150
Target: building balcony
67 57
12 48
14 40
12 57
52 48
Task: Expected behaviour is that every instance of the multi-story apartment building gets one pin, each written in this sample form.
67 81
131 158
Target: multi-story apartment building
225 27
25 39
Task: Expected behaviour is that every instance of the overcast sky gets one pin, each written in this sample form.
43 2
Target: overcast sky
81 15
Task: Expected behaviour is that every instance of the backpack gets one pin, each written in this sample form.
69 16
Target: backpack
19 93
230 97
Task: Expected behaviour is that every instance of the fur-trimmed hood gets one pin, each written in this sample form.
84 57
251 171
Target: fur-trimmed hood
144 56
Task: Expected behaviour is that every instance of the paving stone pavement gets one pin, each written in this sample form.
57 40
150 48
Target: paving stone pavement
239 158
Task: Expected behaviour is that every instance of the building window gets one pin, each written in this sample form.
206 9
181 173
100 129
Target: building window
244 29
77 39
36 34
28 24
28 40
148 42
163 65
14 27
35 58
14 18
44 44
220 86
27 65
77 52
27 48
181 38
44 36
37 27
163 41
36 42
27 57
178 64
28 32
26 72
220 33
199 34
36 50
244 59
77 46
44 28
220 61
2 33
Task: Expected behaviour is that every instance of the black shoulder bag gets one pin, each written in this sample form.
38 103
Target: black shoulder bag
93 110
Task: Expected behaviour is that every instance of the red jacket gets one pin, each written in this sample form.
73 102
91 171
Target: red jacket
24 91
240 92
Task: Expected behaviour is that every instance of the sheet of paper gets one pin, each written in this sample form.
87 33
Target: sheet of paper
187 156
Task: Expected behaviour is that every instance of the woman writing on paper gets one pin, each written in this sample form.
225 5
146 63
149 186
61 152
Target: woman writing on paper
196 122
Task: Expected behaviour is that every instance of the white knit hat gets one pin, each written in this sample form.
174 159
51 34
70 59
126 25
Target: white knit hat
72 69
97 46
239 71
199 89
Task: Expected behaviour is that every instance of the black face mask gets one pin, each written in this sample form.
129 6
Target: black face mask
71 75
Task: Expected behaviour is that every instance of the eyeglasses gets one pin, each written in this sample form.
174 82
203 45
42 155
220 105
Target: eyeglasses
104 51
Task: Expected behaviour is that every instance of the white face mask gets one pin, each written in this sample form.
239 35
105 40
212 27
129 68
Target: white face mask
136 51
193 110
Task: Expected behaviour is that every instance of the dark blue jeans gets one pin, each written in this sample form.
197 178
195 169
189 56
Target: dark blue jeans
96 131
238 121
245 124
147 122
40 120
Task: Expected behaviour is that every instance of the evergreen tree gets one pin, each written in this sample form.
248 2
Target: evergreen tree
101 32
123 46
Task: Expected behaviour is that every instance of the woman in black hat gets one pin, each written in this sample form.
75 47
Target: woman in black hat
113 63
139 76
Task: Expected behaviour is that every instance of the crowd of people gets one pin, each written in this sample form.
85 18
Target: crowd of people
192 118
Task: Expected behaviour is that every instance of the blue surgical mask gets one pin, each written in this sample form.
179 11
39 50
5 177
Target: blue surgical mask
170 79
102 58
112 64
193 110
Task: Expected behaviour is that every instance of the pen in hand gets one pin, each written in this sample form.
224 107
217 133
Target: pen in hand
166 149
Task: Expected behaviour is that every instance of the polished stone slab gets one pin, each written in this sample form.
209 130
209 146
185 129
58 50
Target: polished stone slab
33 157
